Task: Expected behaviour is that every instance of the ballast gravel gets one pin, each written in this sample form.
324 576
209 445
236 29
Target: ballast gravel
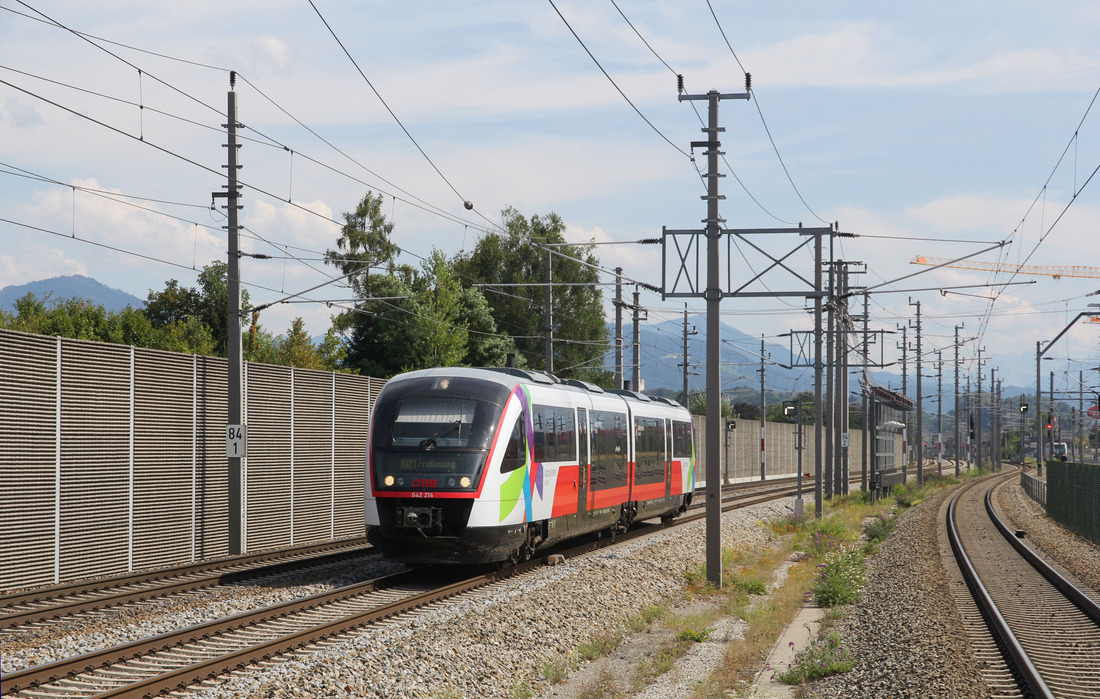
496 642
94 631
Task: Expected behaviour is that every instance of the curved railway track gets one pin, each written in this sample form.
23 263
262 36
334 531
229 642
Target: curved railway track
176 660
1047 628
42 605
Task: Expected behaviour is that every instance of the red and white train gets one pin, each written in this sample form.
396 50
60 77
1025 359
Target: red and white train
484 465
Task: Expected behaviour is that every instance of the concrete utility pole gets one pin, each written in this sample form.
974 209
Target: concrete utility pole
686 364
549 315
236 437
939 412
830 376
993 419
1080 417
978 454
958 445
866 386
1038 408
618 327
904 347
970 431
1053 416
763 473
920 405
713 296
636 375
818 250
997 424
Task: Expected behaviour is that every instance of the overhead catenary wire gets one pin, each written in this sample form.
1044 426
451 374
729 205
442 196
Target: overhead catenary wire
762 119
607 75
700 118
269 141
377 94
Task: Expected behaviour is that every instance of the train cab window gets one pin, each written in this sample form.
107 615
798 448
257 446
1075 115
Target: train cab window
433 422
515 452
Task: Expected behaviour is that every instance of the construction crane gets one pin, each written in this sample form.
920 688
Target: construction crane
1050 271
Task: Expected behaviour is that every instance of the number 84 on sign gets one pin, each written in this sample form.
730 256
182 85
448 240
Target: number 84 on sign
236 441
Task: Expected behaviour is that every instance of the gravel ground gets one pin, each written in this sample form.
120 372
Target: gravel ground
50 642
905 635
498 639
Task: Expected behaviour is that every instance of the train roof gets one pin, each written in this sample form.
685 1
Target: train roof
507 376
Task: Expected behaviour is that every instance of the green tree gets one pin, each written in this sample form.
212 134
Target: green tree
438 301
208 304
512 257
296 348
333 353
364 243
79 319
407 318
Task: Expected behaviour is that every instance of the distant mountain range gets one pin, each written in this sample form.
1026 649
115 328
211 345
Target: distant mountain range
661 354
74 285
662 365
662 360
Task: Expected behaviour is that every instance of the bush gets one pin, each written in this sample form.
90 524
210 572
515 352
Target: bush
824 536
694 635
879 528
840 578
827 657
905 495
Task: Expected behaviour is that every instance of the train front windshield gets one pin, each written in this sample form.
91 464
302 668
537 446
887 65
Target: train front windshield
434 433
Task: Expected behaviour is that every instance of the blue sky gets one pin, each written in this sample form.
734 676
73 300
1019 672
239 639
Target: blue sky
916 123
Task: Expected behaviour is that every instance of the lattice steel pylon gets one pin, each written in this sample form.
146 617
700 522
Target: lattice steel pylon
1056 271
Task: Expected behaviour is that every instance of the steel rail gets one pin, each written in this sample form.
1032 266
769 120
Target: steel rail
1083 602
235 574
42 674
1024 666
42 594
186 676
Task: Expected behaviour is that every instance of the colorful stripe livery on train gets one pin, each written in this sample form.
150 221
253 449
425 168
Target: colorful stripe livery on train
484 465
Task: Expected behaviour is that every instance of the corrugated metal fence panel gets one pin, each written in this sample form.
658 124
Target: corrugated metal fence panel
1073 491
354 399
95 459
212 474
269 457
28 418
163 457
313 456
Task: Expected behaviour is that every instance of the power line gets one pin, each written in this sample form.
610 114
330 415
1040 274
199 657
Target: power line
271 142
616 85
762 119
700 118
465 201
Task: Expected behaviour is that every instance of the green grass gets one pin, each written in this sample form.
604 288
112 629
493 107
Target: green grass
879 528
694 635
824 658
839 577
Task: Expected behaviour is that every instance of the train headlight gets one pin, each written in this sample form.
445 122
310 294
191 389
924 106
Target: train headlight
388 481
465 482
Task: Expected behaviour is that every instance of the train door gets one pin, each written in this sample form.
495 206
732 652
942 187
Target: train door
584 458
668 457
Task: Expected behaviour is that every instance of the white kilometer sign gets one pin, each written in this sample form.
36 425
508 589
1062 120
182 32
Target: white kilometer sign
236 441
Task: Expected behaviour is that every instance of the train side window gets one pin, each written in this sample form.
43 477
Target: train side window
515 452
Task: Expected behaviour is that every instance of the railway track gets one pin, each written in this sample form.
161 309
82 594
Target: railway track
50 604
176 660
1046 627
47 604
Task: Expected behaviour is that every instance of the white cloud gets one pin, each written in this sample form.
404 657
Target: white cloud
22 116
